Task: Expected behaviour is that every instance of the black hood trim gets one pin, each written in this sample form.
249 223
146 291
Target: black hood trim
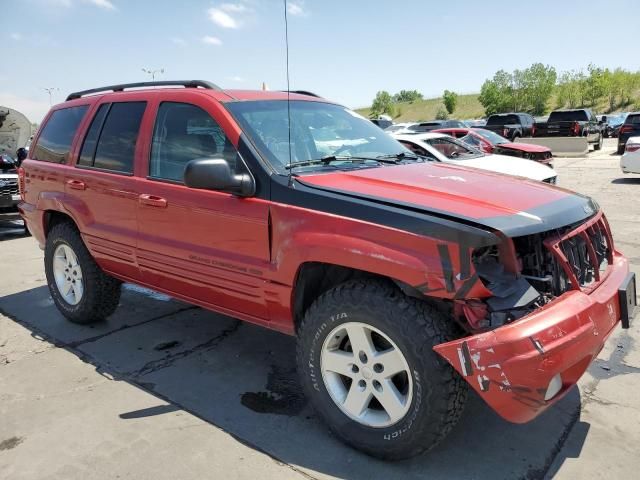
378 211
568 210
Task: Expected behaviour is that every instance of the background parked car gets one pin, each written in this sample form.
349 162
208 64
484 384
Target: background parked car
490 142
611 128
579 122
630 128
630 161
399 127
9 195
479 122
435 124
511 125
444 148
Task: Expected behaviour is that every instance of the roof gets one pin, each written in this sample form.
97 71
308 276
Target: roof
199 85
454 129
417 136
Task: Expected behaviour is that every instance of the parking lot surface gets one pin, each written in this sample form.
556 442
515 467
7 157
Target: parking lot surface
165 390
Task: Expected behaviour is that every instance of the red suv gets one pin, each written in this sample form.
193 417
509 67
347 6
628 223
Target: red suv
403 280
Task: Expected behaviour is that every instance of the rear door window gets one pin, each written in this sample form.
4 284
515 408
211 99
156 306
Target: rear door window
57 135
110 143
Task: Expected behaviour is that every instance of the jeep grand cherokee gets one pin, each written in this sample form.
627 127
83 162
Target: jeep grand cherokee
405 281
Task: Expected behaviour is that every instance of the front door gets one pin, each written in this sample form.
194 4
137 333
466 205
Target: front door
209 247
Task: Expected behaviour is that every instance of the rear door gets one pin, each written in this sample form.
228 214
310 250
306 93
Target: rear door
208 246
102 188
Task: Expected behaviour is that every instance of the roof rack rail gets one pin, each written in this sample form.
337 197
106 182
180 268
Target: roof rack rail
168 83
304 92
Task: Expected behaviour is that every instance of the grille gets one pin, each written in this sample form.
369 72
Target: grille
8 187
584 253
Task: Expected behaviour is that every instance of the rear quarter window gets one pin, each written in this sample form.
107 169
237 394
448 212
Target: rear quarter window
54 143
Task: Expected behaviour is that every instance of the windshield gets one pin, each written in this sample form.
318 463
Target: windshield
318 130
503 120
452 148
494 138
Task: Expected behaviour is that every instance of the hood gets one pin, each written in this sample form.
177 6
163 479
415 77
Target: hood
510 166
512 205
525 147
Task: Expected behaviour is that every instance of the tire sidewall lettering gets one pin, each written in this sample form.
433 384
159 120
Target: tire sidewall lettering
318 339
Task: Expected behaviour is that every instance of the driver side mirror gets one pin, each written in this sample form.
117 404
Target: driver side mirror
215 174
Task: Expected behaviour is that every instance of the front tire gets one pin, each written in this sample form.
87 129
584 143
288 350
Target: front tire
366 362
80 289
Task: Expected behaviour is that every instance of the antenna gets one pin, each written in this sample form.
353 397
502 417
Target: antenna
286 41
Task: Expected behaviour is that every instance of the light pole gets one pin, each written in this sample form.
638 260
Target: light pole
153 73
50 91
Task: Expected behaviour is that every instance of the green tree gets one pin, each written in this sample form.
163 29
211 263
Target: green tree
450 100
407 96
382 104
594 84
496 94
537 86
441 114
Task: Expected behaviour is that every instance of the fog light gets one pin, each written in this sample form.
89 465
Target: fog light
555 385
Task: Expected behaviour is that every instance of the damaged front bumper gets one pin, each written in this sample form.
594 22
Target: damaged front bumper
522 368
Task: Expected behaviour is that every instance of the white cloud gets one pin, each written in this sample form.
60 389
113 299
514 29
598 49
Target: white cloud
35 110
236 79
179 41
209 40
105 4
233 7
222 18
296 9
15 36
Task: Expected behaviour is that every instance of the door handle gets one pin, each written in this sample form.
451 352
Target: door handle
76 184
152 200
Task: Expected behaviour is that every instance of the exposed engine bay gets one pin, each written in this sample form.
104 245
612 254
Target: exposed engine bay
541 275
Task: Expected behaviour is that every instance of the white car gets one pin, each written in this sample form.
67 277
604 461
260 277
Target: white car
443 148
630 161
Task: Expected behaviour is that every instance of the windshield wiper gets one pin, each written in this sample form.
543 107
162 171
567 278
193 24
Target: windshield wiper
336 158
400 156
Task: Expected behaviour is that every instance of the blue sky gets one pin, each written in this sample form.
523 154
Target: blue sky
343 50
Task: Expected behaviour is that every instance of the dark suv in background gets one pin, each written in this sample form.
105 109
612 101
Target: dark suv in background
630 128
511 125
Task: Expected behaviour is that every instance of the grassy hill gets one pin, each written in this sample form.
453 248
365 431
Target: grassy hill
468 107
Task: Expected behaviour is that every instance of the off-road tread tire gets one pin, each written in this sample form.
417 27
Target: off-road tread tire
416 325
101 291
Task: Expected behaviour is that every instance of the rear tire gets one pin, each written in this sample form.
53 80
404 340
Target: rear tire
620 150
80 289
432 394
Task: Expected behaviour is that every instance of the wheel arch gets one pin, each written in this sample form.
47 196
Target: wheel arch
50 218
315 278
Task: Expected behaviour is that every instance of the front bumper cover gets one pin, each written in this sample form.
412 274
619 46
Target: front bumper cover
511 367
